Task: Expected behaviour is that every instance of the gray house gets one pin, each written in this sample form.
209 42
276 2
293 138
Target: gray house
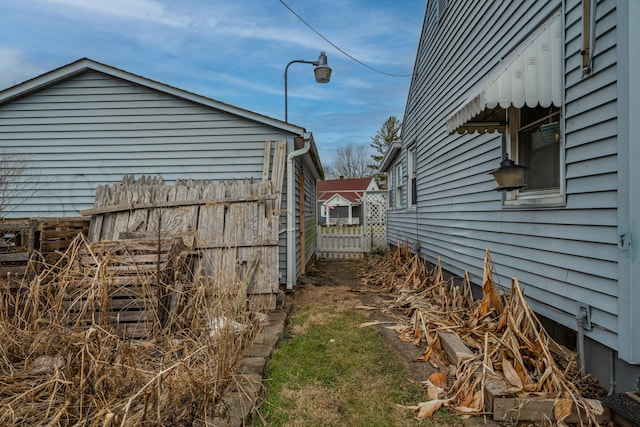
553 86
87 123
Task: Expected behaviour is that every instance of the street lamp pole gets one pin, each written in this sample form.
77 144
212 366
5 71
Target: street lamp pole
321 70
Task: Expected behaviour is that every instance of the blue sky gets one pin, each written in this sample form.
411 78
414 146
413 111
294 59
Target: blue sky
234 51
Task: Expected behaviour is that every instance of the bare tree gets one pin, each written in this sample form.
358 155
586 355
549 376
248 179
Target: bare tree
351 162
17 181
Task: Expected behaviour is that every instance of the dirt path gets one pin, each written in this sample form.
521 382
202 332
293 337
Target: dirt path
342 277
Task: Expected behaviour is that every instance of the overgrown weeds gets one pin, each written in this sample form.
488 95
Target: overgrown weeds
68 356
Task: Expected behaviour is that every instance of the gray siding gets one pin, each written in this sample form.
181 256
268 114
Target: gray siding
561 255
310 214
93 129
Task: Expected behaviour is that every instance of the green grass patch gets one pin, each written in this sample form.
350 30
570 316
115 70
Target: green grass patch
333 374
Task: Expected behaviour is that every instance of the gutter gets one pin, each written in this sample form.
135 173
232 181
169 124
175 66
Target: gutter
291 212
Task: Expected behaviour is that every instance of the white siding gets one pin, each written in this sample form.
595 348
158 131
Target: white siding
561 255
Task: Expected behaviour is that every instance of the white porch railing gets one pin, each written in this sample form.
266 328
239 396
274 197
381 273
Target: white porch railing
343 221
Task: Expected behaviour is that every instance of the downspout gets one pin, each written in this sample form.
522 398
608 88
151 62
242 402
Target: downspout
592 33
612 373
291 212
581 318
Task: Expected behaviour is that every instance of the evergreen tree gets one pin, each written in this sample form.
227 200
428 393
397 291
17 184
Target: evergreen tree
386 135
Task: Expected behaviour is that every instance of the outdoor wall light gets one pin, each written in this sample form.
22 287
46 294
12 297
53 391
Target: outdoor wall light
321 70
509 175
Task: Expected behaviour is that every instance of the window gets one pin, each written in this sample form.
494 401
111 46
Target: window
412 196
536 141
398 182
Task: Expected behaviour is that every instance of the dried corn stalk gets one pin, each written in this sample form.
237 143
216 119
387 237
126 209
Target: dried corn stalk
508 339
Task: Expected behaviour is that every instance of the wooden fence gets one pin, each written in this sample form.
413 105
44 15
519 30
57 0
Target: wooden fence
342 242
231 227
356 241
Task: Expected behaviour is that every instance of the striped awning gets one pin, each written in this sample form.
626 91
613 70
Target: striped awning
531 76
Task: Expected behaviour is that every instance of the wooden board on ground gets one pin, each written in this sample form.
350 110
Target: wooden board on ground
535 409
455 349
505 406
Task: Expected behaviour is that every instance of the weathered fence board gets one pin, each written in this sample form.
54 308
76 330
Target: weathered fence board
227 224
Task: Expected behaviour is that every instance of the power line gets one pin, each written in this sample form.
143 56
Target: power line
335 46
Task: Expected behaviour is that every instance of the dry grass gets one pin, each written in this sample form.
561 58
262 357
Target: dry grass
316 405
335 296
66 359
504 333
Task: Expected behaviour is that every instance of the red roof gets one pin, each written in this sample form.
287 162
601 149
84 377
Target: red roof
351 189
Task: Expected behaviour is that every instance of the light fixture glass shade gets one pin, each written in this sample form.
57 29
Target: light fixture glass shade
509 175
322 73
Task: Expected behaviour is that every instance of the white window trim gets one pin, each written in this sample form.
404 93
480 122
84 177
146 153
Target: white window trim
543 198
410 175
398 186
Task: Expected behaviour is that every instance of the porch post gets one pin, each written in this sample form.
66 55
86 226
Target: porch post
350 208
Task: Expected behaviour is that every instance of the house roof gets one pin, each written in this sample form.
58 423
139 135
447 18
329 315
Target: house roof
391 153
85 64
337 200
351 189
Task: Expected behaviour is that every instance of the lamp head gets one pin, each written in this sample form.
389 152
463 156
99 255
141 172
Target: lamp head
321 70
509 175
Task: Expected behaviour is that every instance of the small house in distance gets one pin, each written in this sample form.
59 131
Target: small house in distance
340 200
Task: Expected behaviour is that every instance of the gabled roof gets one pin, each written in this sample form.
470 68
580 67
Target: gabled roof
391 153
351 189
337 200
85 64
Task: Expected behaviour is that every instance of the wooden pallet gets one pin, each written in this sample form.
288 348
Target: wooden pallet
507 406
54 235
127 284
17 243
20 239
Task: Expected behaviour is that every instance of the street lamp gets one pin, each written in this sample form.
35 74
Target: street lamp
321 70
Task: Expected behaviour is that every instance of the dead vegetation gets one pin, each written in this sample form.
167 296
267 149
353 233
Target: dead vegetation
493 355
118 341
